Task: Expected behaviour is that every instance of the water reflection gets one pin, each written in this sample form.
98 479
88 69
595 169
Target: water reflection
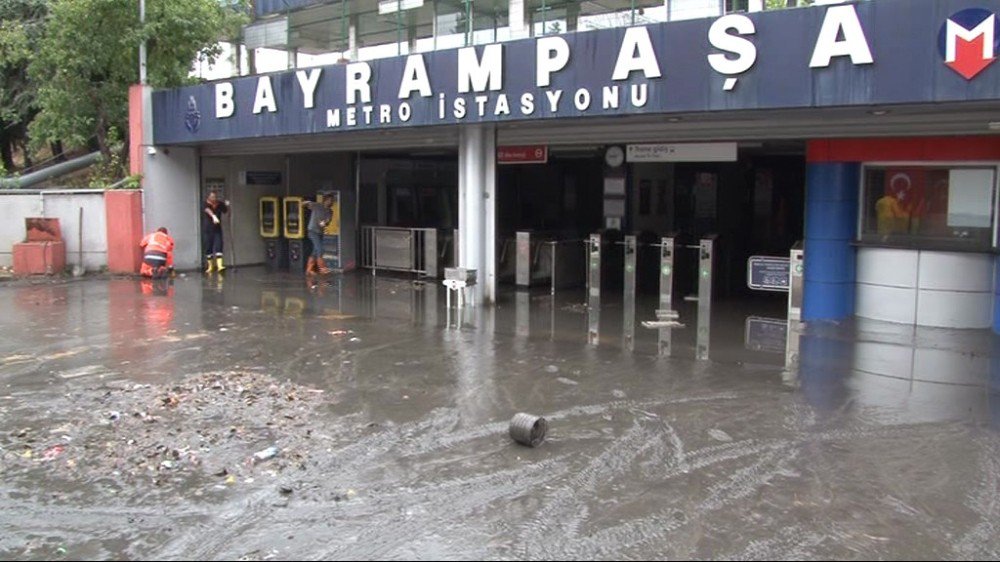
916 375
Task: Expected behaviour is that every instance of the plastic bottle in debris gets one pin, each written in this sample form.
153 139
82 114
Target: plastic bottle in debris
268 453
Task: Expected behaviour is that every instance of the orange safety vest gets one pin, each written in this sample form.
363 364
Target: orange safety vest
160 243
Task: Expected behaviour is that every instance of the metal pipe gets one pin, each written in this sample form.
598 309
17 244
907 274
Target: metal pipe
56 171
528 430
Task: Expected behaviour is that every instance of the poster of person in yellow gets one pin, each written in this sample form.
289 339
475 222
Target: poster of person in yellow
903 206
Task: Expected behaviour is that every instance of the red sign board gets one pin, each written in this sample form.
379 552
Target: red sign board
534 154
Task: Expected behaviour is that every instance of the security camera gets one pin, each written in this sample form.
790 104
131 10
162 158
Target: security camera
151 150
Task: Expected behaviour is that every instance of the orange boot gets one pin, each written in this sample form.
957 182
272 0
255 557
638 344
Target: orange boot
321 265
311 266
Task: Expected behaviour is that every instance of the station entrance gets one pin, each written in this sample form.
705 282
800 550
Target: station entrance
663 240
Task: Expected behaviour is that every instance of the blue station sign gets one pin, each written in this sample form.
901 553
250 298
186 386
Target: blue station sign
882 52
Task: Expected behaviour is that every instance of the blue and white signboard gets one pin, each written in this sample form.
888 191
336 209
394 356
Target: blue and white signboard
852 54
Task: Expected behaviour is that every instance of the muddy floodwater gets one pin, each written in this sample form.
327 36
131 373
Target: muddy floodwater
262 417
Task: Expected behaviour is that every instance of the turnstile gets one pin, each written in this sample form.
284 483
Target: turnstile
666 300
795 281
594 289
631 247
706 259
666 317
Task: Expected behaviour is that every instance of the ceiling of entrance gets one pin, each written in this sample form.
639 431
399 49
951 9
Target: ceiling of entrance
759 125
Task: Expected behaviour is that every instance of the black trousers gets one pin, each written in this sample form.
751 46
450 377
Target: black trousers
213 243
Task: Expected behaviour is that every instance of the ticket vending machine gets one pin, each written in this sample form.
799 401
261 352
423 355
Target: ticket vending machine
275 245
339 236
294 213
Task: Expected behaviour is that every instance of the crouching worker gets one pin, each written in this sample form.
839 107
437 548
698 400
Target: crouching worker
157 254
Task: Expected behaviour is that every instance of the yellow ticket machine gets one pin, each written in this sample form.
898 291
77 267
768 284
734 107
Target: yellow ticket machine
275 246
294 214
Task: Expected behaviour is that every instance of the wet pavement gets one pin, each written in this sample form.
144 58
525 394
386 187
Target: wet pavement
131 415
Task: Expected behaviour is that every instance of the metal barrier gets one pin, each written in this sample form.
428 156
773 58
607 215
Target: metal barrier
706 260
416 250
666 302
533 258
594 289
631 254
796 287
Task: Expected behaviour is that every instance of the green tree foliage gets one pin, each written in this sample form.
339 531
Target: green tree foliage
21 26
89 56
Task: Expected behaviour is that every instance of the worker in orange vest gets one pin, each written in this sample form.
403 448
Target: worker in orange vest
158 254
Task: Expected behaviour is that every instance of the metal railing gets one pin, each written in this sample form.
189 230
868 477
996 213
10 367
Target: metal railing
424 251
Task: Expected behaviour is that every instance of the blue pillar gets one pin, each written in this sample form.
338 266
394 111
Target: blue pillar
825 364
831 225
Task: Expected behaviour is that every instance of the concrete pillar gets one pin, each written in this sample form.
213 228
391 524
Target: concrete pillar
352 38
172 198
125 229
519 27
477 207
831 221
572 16
140 124
994 384
411 34
996 298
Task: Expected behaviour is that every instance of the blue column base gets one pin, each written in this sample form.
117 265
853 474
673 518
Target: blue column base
828 301
824 366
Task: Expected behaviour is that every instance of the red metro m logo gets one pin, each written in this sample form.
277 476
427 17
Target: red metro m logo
968 41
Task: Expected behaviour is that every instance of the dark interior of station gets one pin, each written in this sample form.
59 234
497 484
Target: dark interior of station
754 205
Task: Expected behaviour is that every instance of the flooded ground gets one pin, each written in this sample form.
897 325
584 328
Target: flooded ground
257 417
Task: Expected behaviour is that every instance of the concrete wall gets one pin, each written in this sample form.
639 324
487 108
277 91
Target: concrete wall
65 206
170 183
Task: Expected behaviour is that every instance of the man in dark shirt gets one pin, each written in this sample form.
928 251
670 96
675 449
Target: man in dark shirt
211 231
